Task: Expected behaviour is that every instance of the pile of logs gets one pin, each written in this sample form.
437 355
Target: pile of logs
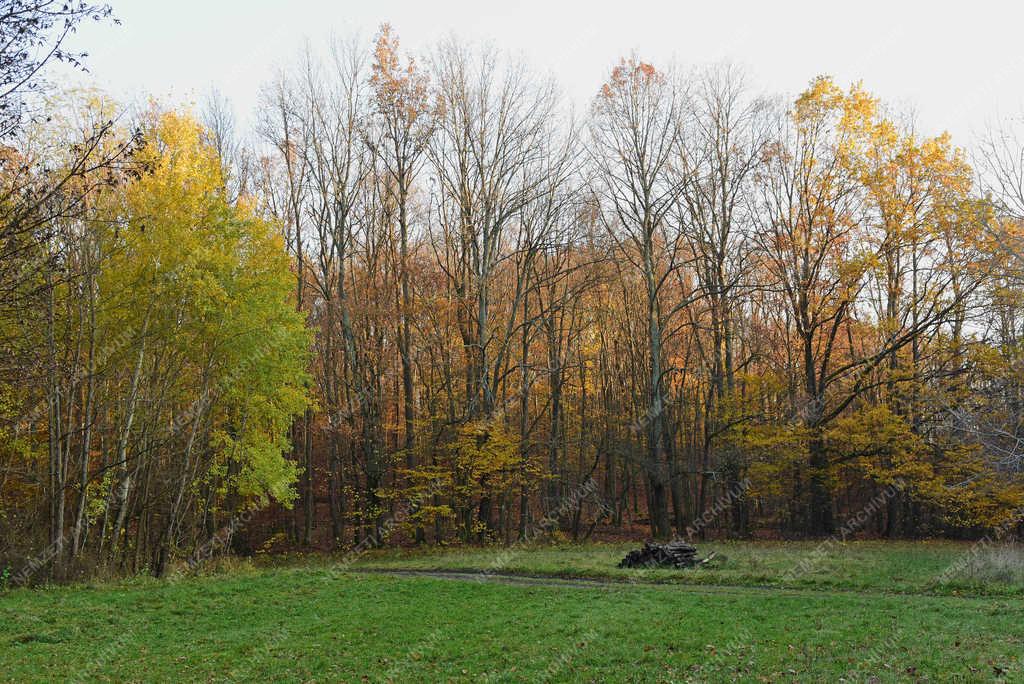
676 554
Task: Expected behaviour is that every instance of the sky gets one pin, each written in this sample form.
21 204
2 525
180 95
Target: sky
954 66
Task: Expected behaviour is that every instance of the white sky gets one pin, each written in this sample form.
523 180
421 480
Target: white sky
957 65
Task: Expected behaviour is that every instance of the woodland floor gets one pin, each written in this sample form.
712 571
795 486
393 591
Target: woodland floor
760 612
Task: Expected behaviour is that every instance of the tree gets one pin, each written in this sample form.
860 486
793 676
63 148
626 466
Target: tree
207 290
816 234
722 148
634 137
405 117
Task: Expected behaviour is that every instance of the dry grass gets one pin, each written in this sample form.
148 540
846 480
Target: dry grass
1003 563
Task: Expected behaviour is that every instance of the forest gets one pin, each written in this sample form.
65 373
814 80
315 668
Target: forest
426 302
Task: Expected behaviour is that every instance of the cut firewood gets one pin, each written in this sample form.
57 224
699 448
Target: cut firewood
676 554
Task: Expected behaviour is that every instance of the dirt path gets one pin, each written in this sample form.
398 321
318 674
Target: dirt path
527 580
501 578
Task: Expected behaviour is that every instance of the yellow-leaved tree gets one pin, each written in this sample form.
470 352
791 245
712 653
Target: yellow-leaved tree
219 356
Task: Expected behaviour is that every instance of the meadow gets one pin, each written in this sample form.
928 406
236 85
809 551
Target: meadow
860 612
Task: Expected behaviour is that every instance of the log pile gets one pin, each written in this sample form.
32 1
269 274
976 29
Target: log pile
675 554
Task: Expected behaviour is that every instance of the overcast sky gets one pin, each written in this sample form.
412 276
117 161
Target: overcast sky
957 65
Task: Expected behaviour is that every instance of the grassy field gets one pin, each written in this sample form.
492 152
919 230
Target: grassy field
325 622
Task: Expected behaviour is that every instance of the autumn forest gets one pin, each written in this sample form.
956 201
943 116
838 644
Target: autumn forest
423 301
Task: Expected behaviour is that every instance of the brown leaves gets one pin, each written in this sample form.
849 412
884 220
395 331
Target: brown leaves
628 74
402 92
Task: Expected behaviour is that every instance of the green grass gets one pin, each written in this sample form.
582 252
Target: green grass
321 622
943 568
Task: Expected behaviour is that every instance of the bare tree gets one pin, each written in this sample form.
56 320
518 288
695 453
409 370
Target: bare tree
634 137
722 145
